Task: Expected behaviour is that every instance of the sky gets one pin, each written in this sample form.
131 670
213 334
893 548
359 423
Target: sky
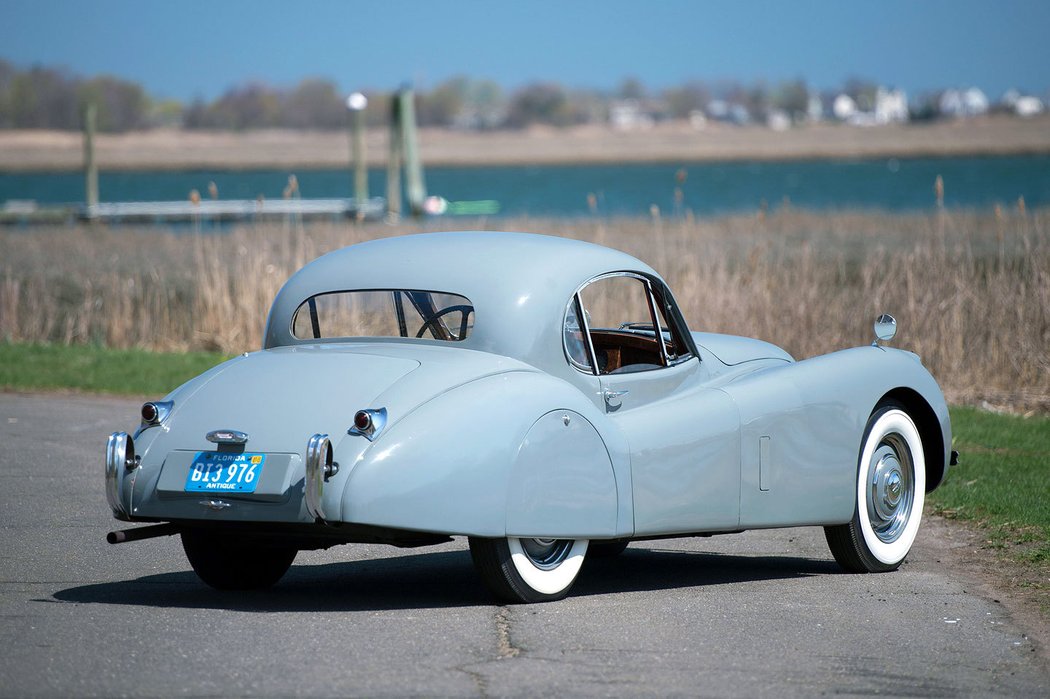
189 49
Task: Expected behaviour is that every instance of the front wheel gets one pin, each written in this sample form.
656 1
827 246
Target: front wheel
235 563
528 570
891 487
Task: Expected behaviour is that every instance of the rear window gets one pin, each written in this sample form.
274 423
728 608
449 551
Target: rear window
431 315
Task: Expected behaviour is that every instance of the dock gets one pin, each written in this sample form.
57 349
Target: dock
404 152
218 211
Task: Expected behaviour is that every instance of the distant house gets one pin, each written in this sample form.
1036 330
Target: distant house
843 107
1028 106
963 103
778 120
628 115
814 108
720 110
891 106
697 119
1022 105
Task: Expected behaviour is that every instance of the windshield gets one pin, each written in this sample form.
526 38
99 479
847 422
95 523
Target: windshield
431 315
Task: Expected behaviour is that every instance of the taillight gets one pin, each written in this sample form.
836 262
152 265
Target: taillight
369 422
155 412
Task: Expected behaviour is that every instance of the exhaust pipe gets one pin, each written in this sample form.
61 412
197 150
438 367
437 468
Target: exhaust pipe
139 533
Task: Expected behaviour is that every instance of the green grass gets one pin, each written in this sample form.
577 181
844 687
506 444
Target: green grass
1002 483
99 370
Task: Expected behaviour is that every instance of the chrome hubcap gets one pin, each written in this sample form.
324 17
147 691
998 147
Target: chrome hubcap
891 488
546 554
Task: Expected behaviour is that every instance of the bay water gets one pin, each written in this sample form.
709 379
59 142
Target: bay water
631 189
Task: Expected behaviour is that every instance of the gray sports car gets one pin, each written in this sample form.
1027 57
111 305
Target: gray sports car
539 395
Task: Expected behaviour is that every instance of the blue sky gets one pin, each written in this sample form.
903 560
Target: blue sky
188 48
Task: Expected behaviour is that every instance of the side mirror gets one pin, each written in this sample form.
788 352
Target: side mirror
885 328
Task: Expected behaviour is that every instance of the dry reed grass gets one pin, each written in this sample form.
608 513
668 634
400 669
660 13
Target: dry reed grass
970 290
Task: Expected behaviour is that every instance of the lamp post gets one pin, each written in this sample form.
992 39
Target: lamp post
356 103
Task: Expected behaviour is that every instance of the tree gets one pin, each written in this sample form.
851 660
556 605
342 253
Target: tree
122 105
863 92
542 103
793 98
44 98
7 77
683 100
313 104
250 106
631 88
442 105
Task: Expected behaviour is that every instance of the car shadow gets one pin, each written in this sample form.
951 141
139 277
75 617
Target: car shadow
439 579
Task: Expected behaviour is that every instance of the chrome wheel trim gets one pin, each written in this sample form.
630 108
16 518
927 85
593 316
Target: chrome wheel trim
891 488
546 554
897 425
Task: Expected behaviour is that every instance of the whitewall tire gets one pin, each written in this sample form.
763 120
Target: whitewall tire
890 491
528 569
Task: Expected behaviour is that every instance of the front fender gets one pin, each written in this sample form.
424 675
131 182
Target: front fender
802 427
488 459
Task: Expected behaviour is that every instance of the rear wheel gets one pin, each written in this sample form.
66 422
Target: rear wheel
235 563
891 487
528 570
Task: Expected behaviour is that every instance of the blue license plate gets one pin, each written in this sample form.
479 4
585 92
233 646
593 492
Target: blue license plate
218 472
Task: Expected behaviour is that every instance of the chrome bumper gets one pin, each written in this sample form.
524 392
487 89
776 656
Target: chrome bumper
319 468
121 461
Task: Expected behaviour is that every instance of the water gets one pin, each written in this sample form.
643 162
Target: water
620 189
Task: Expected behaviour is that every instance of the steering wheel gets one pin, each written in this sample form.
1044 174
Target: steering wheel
431 322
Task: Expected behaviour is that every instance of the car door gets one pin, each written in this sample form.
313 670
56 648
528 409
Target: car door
683 437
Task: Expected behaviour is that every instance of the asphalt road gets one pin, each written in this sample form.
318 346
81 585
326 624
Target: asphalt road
755 614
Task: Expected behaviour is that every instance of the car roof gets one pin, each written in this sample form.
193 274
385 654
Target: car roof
519 283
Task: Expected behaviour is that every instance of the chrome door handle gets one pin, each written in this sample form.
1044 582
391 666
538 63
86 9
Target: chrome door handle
611 395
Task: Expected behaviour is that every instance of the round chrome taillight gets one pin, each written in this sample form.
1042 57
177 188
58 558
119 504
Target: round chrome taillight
155 412
369 422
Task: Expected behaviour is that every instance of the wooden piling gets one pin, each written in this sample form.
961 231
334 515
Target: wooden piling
415 186
357 103
393 166
90 167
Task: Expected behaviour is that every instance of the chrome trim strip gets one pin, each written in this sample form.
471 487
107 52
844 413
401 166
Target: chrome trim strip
227 437
658 333
581 315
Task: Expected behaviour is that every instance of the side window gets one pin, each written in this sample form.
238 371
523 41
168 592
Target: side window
619 314
625 322
575 343
616 303
671 327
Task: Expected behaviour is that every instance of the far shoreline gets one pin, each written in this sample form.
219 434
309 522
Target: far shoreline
672 142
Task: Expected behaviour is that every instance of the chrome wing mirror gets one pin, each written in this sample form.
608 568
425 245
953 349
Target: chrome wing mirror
885 329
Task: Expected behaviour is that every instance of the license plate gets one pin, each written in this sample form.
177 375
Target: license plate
218 472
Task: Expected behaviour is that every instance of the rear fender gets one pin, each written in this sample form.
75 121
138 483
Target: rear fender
488 458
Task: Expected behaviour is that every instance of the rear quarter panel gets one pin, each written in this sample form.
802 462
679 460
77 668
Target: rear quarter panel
487 459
